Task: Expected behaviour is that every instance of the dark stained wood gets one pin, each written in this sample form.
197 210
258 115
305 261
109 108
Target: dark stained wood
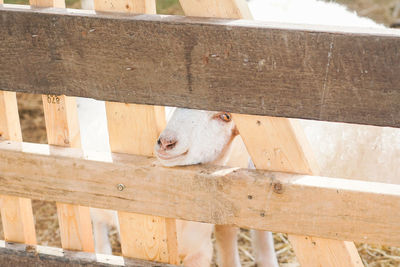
395 24
323 73
21 255
320 206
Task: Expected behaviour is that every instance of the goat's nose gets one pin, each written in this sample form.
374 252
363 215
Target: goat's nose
166 144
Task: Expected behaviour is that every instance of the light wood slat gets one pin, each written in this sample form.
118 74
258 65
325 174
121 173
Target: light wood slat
342 253
75 227
129 6
10 128
279 144
282 66
62 129
47 3
61 117
135 129
332 208
236 9
16 213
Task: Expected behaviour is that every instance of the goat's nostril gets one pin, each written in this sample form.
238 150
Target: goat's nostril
171 145
166 144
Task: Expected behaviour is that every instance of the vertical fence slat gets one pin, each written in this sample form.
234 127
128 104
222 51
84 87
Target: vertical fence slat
329 252
279 144
135 129
47 3
62 129
16 213
129 6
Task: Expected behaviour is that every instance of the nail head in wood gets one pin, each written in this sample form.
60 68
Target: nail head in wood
278 188
120 187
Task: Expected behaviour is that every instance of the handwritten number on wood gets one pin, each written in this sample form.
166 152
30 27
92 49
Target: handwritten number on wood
53 99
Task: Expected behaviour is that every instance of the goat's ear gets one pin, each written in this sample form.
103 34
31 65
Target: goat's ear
235 131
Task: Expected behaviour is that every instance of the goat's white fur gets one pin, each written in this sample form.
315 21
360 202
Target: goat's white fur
187 126
342 150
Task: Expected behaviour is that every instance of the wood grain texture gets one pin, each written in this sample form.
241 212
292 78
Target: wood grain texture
143 236
130 6
276 144
47 3
10 128
136 124
17 219
61 117
26 256
236 9
75 227
320 206
238 66
134 129
16 213
279 144
309 248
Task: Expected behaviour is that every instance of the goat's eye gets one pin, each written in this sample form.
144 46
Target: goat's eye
227 117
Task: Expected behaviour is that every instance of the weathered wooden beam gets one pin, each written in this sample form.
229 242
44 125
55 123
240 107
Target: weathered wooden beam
297 204
296 71
13 254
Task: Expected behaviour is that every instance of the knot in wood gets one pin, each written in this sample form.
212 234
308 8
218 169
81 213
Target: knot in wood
278 188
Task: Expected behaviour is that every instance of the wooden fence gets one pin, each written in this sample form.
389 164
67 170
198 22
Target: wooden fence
245 67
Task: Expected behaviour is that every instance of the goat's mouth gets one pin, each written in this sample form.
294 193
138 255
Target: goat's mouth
166 157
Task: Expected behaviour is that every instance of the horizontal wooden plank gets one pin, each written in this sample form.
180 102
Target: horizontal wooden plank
298 204
13 254
297 71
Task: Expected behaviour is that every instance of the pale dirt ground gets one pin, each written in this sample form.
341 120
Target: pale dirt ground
31 113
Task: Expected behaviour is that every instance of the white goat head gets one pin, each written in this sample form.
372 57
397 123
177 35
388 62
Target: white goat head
195 136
